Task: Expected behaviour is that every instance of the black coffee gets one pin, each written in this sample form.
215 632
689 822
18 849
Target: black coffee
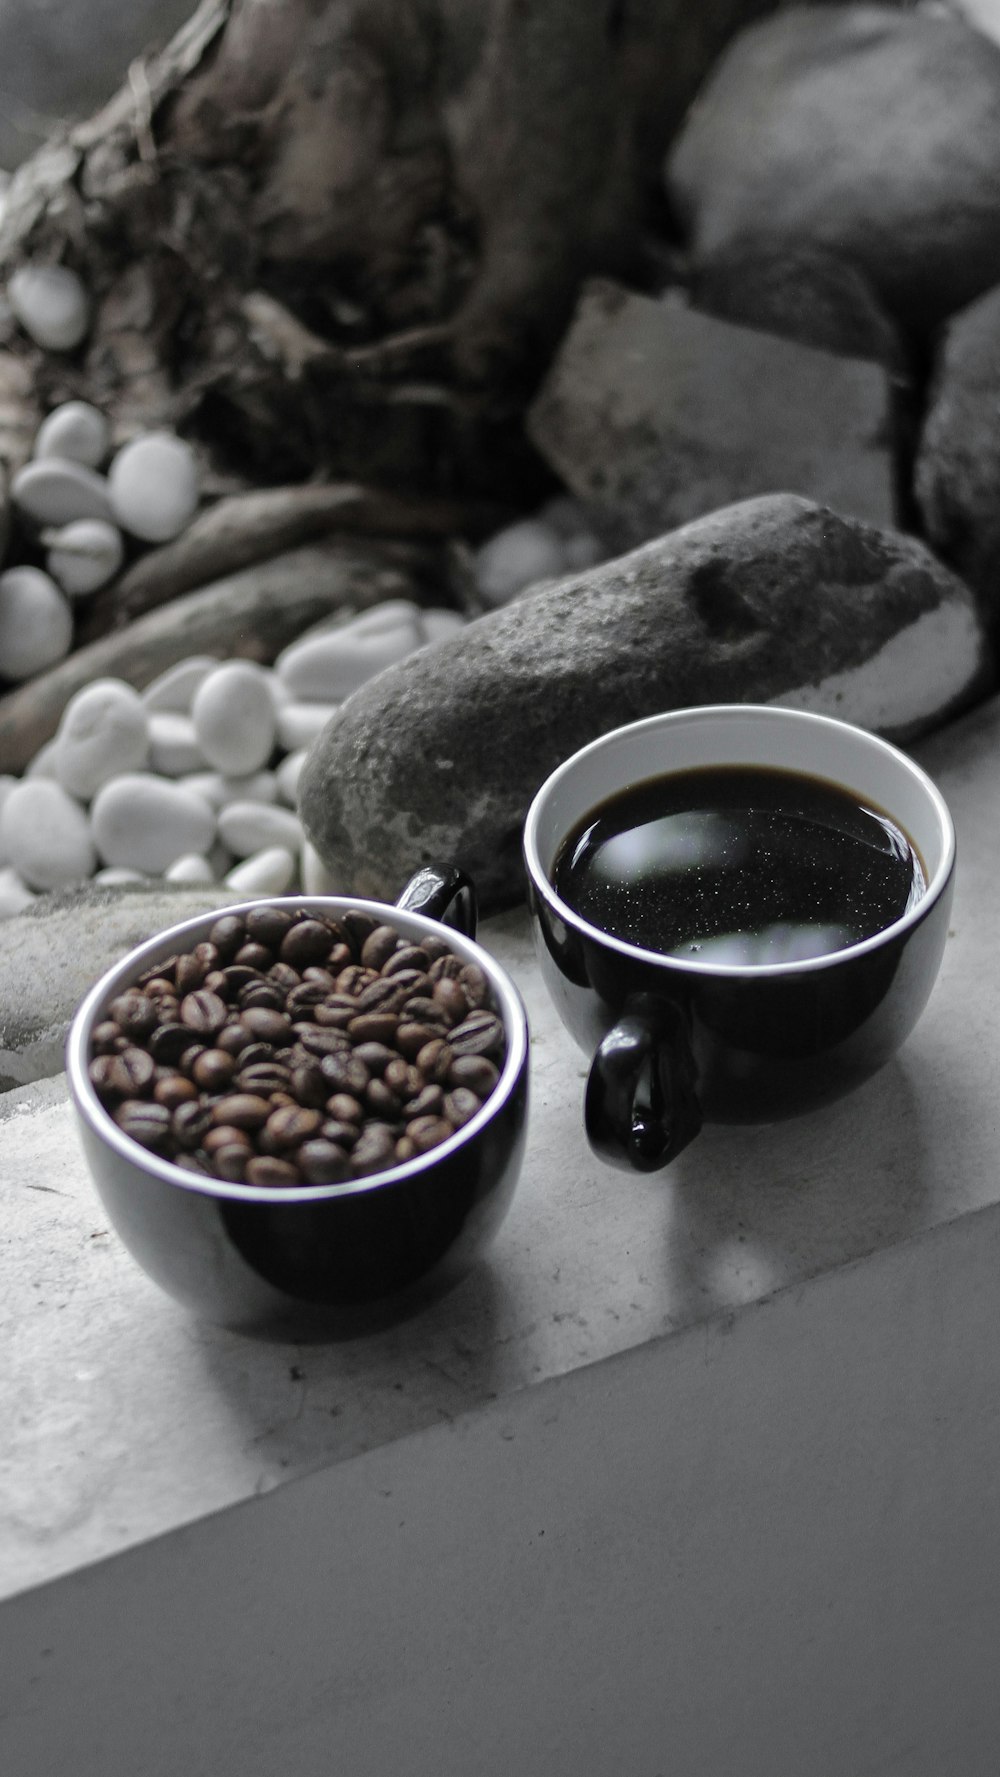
738 865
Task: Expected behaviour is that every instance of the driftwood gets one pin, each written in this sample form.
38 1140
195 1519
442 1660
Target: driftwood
253 615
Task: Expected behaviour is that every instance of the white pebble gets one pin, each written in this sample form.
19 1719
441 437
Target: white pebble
36 623
15 895
439 624
581 551
118 876
288 773
316 878
300 723
104 731
259 786
155 484
56 491
268 872
84 555
248 827
327 667
192 867
75 430
515 558
7 783
44 762
234 718
175 688
173 744
52 305
147 822
45 835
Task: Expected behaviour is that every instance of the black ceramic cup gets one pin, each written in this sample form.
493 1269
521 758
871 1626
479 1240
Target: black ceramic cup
315 1260
676 1042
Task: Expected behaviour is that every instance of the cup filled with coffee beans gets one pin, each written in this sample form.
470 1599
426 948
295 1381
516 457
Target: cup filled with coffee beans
740 911
306 1114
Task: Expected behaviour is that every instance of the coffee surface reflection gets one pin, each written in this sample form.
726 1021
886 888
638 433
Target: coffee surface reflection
738 865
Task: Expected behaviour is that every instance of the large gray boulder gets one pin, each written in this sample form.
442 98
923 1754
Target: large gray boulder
775 599
957 478
869 131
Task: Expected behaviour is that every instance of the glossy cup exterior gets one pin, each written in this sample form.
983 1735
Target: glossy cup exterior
762 1042
309 1260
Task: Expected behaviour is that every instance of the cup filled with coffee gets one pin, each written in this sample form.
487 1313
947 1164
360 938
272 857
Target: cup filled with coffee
306 1115
740 911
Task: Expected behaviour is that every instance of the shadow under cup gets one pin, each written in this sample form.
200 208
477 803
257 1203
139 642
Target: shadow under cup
678 1042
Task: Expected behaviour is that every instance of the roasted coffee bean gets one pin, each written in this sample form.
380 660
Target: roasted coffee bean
358 925
203 1012
157 987
253 956
304 998
426 1103
405 1149
108 1038
450 996
268 925
447 967
374 1149
375 1056
308 1085
241 1110
266 1169
190 1163
379 995
323 977
306 941
284 976
223 1135
322 1042
460 1106
344 1134
339 957
403 1078
267 1026
262 1078
147 1124
174 1089
262 993
190 1123
287 1126
238 977
411 1037
382 1102
255 1054
436 947
102 1077
344 1107
190 972
343 1072
480 1034
421 1010
322 1162
407 957
434 1060
216 982
168 1009
474 1072
475 984
379 946
213 1070
428 1132
373 1027
332 1014
354 978
277 1099
227 934
135 1013
229 1161
170 1041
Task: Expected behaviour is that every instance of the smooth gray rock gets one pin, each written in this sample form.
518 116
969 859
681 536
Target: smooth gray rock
957 478
53 952
867 130
801 292
656 414
775 599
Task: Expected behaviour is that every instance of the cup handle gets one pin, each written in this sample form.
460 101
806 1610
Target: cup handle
444 893
641 1107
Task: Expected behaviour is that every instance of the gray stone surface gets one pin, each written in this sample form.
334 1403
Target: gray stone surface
868 130
54 951
800 292
772 600
655 414
957 477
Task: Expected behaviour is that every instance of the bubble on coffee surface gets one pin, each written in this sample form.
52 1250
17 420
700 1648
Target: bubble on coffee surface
292 1047
739 866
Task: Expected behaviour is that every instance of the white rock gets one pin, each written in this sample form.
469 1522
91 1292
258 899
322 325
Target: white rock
44 833
15 895
104 731
288 773
268 872
248 827
75 430
44 762
439 624
192 867
155 483
52 305
146 822
7 784
299 723
56 491
217 790
175 688
234 718
84 555
515 558
36 623
315 877
327 667
118 876
173 744
582 550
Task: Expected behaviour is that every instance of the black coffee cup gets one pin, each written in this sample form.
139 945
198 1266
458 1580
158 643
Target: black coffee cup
678 1041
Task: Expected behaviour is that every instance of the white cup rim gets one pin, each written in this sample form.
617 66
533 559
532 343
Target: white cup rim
715 715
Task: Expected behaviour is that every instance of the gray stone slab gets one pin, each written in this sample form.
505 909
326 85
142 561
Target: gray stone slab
126 1418
656 414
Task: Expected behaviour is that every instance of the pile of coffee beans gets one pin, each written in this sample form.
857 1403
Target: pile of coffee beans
294 1048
